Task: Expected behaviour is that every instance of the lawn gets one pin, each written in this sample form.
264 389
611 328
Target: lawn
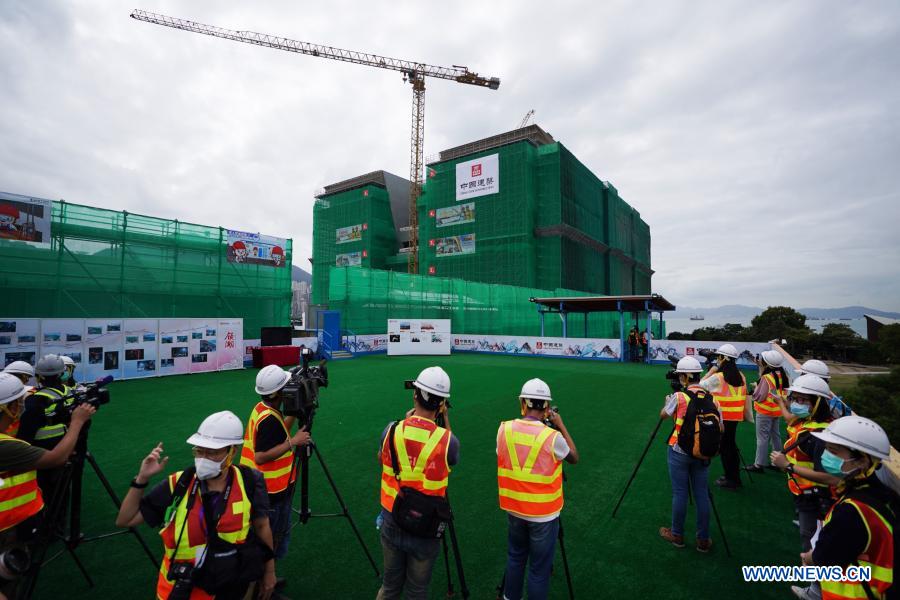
609 408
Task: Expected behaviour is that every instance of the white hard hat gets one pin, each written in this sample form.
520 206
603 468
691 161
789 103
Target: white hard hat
67 360
857 433
773 358
433 380
50 365
11 388
270 379
19 367
816 367
688 364
536 389
810 384
218 430
727 350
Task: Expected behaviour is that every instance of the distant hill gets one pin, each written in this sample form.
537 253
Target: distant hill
847 312
729 310
748 312
298 274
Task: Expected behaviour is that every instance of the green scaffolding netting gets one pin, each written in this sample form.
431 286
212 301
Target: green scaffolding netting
104 263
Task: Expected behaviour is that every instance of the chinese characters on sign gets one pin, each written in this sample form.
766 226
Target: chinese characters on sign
479 177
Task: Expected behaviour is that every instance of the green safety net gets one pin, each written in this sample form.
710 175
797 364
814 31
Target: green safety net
104 263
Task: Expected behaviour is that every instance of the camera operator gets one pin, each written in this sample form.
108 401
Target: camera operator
772 383
416 440
43 421
729 387
685 471
20 497
859 528
269 447
206 513
25 374
532 495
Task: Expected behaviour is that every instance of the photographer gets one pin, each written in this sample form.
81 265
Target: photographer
423 453
772 383
206 513
43 421
269 447
532 495
687 472
839 408
729 387
25 373
20 497
68 377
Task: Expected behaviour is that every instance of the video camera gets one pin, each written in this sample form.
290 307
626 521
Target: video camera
95 394
708 354
672 374
300 396
547 421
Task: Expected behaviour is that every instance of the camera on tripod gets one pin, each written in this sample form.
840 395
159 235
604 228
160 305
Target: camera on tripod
14 562
672 374
708 354
95 394
300 396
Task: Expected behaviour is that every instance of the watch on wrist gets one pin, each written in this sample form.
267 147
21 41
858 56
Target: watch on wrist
139 486
790 468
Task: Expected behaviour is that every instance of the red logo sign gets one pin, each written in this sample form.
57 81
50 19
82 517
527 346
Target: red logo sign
431 213
365 253
365 226
431 242
476 170
689 351
365 193
432 172
432 270
539 345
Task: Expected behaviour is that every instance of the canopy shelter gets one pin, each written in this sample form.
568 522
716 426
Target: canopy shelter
564 305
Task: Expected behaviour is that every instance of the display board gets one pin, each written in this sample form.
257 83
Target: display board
255 249
230 351
103 346
418 336
141 347
596 348
174 346
203 345
25 219
660 349
19 340
478 177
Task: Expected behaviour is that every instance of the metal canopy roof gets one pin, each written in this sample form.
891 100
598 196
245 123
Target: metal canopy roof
652 302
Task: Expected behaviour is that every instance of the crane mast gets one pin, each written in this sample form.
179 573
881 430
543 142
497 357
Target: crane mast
413 72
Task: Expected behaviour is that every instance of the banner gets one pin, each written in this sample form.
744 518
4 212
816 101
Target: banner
455 244
25 219
256 249
352 233
174 346
103 345
478 177
595 348
366 343
455 215
141 348
351 259
64 337
19 340
418 336
230 353
660 349
203 345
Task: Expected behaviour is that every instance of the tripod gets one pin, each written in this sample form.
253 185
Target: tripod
67 493
562 549
454 542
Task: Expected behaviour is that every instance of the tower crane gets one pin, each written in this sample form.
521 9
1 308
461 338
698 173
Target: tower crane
413 72
525 119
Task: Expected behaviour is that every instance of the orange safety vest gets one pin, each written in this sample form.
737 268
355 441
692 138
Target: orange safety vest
529 476
421 448
680 411
769 407
20 496
731 398
13 428
798 457
878 555
279 473
233 528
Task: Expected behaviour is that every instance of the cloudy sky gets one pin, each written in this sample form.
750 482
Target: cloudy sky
760 140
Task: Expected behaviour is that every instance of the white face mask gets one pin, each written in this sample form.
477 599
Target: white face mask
207 469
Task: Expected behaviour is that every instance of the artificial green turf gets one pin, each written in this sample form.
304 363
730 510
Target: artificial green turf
609 408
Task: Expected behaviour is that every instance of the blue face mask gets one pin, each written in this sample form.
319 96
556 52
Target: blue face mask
832 463
801 410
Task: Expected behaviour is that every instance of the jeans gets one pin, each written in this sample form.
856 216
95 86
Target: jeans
731 462
536 544
408 561
767 432
280 522
689 474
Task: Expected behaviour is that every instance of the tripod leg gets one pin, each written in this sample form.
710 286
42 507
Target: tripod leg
744 464
304 482
719 523
450 591
636 467
502 586
346 511
562 549
464 589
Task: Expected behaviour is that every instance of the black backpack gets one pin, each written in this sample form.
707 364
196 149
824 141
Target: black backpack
701 430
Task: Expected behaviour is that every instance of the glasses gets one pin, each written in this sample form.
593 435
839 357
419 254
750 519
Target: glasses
209 453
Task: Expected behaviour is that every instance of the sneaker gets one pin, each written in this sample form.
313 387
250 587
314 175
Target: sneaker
806 593
726 484
676 540
796 522
754 469
704 545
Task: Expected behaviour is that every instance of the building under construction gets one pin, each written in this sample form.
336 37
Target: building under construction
517 209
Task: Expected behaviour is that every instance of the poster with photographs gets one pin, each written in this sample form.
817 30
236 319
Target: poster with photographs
19 340
254 248
230 351
25 219
174 346
64 337
455 215
419 336
141 337
103 348
203 345
454 244
351 233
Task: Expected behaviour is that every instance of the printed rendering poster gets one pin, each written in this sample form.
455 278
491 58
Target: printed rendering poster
174 336
478 177
352 233
141 338
64 337
26 219
230 351
351 259
19 340
202 348
104 348
455 215
418 336
456 244
256 249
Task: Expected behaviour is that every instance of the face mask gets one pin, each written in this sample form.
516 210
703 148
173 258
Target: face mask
801 410
832 463
207 469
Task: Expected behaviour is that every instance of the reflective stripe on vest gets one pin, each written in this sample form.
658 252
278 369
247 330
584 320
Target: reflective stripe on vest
769 407
421 448
878 555
51 408
529 476
731 399
799 458
278 473
20 496
680 411
233 527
